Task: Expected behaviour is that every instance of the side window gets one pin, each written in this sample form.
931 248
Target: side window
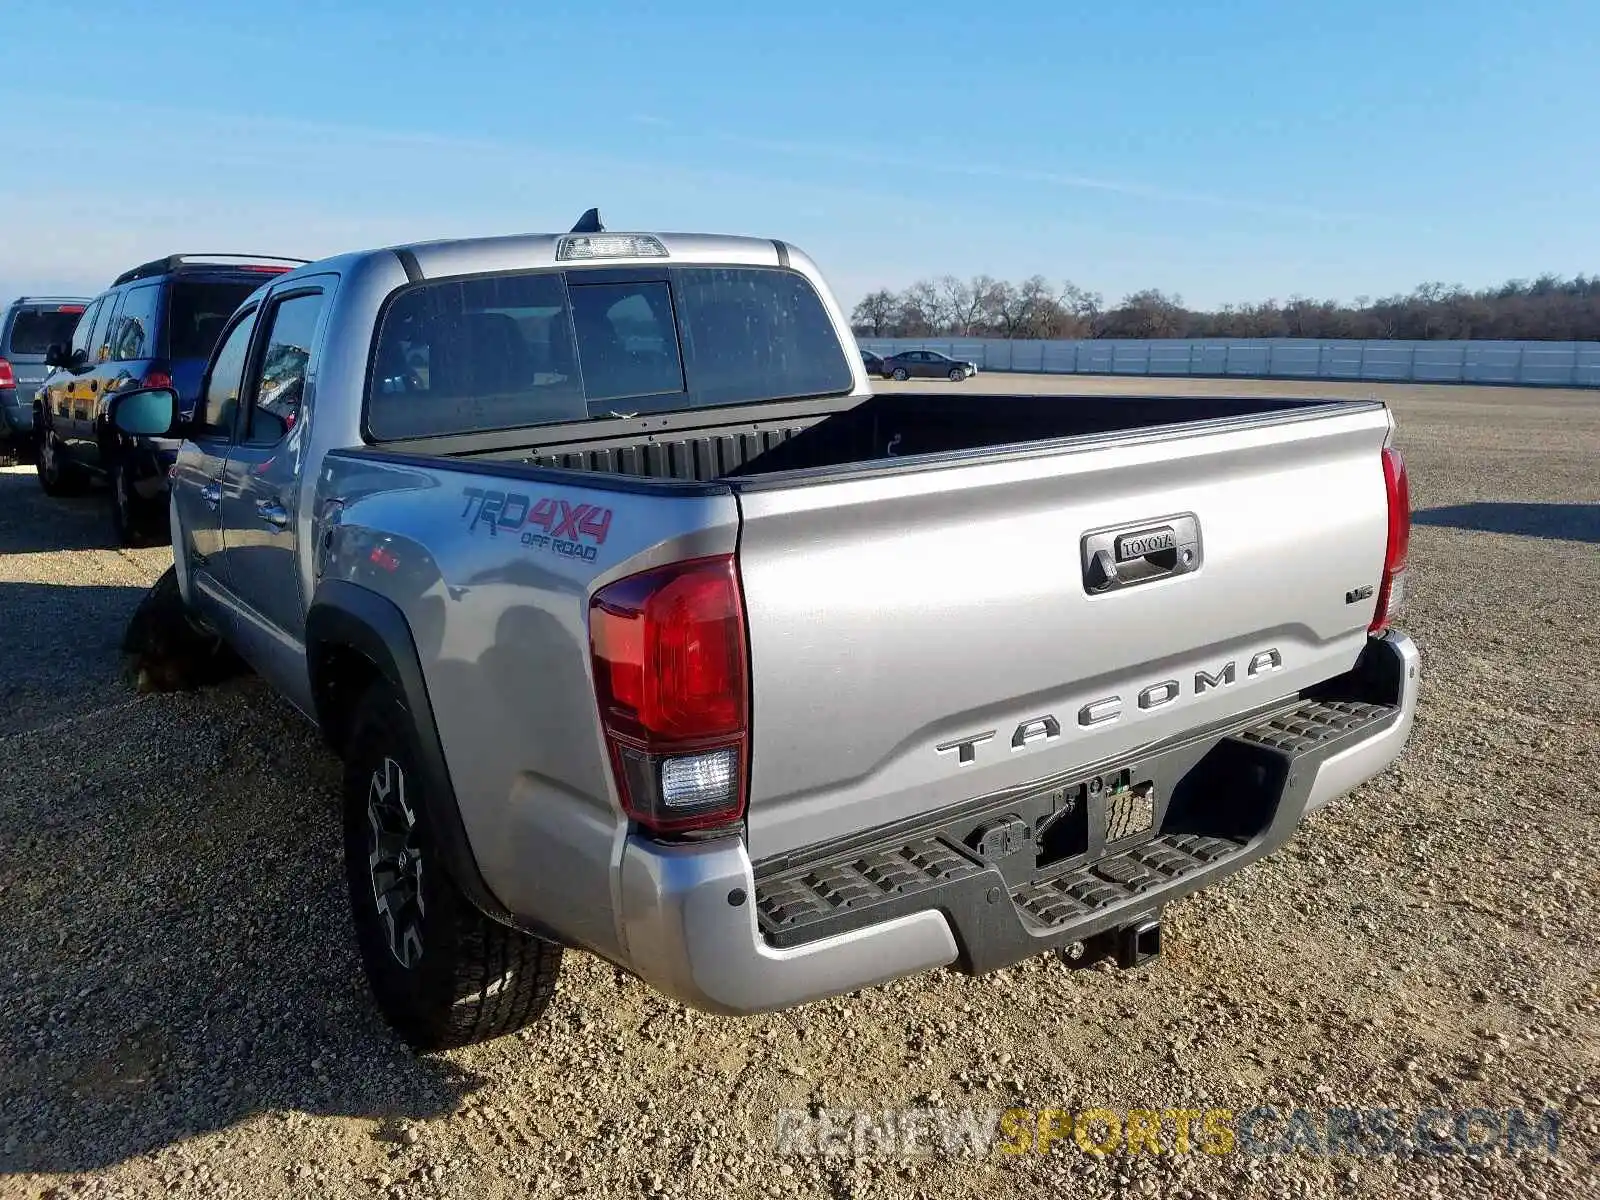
99 337
291 325
86 323
220 398
133 332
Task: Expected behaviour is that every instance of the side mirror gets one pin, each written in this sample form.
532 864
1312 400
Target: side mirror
146 412
56 355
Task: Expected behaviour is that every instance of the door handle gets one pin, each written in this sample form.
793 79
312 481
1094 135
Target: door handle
273 513
211 493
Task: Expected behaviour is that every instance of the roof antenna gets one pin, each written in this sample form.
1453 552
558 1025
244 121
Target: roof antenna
589 223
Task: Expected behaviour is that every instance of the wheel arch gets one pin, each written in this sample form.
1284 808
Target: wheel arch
355 637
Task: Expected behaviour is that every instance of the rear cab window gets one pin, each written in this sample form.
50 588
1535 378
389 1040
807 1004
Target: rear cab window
753 334
35 328
627 343
485 353
514 350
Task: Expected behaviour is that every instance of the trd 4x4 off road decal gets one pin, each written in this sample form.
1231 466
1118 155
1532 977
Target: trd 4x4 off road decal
543 522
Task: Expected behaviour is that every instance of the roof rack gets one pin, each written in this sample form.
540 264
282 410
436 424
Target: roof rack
173 262
52 300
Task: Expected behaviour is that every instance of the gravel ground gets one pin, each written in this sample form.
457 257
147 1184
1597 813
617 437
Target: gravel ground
182 1011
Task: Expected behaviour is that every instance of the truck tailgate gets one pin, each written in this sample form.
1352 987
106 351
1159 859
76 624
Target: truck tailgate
926 633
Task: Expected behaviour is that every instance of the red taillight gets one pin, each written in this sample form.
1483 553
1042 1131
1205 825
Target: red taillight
156 377
670 677
70 308
8 377
1397 487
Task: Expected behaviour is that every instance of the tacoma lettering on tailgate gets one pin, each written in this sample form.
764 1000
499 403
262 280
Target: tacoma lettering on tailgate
1047 728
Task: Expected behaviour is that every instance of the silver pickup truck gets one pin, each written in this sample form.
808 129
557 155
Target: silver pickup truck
644 627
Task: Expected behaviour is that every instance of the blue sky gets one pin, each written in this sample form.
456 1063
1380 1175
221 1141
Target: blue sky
1224 151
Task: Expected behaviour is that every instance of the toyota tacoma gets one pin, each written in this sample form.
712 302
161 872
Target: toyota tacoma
645 628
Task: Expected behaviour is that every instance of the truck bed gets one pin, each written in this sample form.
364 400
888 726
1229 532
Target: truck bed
809 436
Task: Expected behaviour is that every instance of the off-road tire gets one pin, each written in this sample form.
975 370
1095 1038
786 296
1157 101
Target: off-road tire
469 978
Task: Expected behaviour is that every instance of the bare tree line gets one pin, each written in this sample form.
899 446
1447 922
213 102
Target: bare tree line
1547 308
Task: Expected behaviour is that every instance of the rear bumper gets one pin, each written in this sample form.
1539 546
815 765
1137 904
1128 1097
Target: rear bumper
700 925
1350 766
689 916
16 413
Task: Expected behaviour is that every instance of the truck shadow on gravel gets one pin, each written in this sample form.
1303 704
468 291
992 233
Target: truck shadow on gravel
175 949
1557 522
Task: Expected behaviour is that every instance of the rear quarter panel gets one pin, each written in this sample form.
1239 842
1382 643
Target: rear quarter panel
498 608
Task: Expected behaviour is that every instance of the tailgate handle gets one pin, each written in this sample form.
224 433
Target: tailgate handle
1127 555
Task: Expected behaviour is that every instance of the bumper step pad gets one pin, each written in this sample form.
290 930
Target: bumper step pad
1312 723
1124 876
813 894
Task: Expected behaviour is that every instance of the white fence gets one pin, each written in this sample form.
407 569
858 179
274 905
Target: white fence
1544 364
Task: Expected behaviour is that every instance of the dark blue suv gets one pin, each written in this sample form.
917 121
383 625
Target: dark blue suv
155 326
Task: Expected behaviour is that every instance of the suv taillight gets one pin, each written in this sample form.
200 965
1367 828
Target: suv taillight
8 377
156 375
671 679
1391 592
